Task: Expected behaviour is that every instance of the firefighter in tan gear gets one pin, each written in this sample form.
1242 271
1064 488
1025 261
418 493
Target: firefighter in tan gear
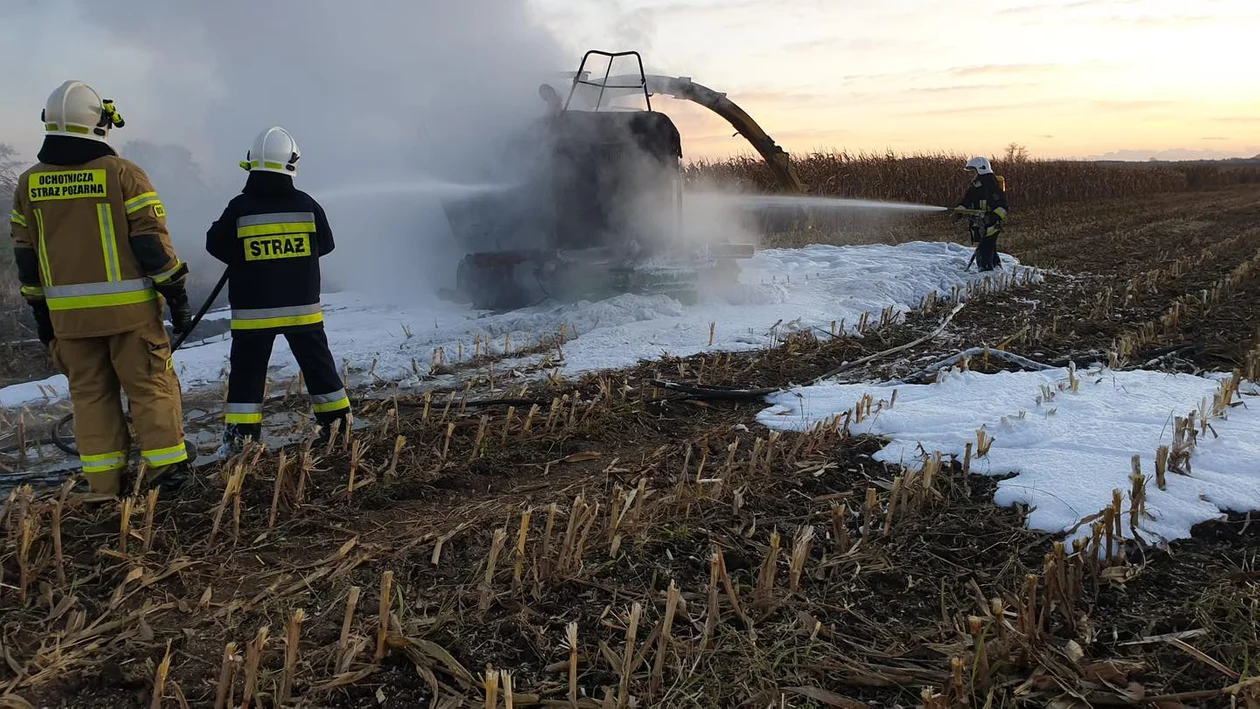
95 262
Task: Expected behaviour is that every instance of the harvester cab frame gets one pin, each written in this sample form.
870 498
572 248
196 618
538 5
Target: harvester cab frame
579 77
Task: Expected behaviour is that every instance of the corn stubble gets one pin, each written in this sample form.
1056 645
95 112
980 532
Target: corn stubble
655 639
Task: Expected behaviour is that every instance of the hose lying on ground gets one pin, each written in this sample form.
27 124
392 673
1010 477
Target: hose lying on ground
852 365
1015 359
714 393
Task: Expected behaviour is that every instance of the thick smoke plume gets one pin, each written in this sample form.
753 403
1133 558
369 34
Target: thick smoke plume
393 102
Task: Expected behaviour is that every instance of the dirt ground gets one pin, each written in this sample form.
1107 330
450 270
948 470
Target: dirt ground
633 544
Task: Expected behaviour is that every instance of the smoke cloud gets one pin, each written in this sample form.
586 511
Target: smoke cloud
390 101
402 111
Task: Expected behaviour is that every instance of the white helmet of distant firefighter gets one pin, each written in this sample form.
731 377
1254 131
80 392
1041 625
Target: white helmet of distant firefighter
980 165
77 110
274 150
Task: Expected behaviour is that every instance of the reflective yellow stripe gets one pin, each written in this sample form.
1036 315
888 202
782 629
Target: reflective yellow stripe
68 129
32 292
269 229
166 456
242 418
1001 212
105 215
104 462
289 321
243 413
339 404
17 218
141 201
165 276
81 302
43 248
247 164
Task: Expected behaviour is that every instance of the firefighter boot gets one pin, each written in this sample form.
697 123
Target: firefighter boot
236 435
174 478
325 423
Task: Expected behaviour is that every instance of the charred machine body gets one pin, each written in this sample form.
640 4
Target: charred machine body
601 214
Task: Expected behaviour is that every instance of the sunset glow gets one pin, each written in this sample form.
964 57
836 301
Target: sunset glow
1073 78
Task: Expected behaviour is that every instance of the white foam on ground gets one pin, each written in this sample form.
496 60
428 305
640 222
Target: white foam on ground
1068 454
796 288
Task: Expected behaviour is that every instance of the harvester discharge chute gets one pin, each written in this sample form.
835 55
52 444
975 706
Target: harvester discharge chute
601 215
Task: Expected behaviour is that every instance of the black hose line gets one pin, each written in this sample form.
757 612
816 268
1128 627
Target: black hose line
59 438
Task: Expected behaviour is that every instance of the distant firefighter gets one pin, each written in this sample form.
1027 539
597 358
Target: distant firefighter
985 201
271 236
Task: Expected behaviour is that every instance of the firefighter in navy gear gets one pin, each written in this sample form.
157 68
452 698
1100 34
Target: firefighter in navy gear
95 262
987 196
271 236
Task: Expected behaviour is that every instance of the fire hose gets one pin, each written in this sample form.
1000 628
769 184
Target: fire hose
58 430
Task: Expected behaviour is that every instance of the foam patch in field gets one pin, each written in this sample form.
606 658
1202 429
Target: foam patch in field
1068 453
780 291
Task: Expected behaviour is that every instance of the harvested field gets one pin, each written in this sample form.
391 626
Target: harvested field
638 544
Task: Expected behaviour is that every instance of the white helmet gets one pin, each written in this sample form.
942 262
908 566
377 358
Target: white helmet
274 150
980 165
75 109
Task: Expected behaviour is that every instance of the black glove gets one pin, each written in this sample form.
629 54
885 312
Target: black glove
43 321
177 300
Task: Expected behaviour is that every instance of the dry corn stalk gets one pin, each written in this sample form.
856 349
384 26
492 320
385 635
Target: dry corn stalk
487 584
126 506
399 442
490 681
522 537
571 636
481 437
159 679
872 501
1161 467
800 557
446 443
382 631
840 527
275 493
150 507
658 665
226 672
769 569
343 643
1137 496
627 662
892 504
292 647
253 658
983 442
56 530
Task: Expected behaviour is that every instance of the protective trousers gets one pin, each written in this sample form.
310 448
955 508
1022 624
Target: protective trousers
247 381
138 361
987 253
986 249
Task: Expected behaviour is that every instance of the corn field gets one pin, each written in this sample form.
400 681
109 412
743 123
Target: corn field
937 178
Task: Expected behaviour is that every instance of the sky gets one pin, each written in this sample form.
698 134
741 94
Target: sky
1121 79
1126 79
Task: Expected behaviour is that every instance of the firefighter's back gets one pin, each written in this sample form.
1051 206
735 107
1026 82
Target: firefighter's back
78 216
275 264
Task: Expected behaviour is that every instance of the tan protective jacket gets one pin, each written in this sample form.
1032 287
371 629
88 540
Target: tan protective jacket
80 220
